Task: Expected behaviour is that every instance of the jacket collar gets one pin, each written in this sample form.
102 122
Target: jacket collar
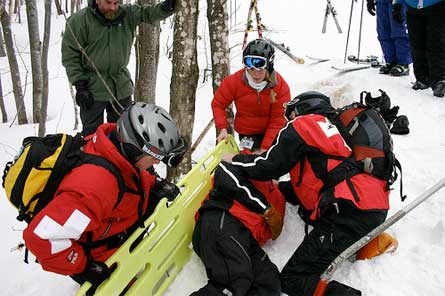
273 80
102 145
118 18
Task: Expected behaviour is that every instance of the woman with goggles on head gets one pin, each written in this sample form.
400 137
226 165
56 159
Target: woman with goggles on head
259 93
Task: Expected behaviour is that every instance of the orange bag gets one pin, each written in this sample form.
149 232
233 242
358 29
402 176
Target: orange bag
384 243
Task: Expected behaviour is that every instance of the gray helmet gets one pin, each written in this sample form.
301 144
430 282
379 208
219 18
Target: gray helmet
149 128
309 102
262 48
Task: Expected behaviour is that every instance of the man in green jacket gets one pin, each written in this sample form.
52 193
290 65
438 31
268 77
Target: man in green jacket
99 38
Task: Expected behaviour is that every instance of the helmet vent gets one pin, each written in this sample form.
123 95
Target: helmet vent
146 136
162 127
161 145
141 119
166 117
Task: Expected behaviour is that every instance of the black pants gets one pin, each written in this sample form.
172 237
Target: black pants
426 32
233 259
322 245
94 116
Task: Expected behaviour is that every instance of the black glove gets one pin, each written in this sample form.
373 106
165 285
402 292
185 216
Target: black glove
371 7
84 98
168 5
95 272
164 188
390 115
397 13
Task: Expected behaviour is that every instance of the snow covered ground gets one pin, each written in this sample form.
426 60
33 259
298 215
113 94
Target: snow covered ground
418 266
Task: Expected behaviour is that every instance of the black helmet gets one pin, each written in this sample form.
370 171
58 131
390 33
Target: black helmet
151 130
310 102
261 48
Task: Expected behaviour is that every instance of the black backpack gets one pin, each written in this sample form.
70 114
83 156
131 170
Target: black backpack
366 133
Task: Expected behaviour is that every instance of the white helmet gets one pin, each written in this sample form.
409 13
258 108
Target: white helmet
152 130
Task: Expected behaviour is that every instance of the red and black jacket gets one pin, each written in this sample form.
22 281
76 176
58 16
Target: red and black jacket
309 148
244 199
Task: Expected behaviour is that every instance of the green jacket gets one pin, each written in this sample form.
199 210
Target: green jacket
108 44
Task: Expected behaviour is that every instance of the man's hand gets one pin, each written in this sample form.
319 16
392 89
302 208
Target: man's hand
164 188
371 7
397 13
84 98
168 5
274 220
222 135
227 157
95 272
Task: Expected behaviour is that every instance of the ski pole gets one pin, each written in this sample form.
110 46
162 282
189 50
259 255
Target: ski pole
360 32
327 274
349 30
259 25
249 23
201 136
334 15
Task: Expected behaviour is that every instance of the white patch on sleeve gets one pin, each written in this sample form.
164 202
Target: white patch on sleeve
60 235
328 128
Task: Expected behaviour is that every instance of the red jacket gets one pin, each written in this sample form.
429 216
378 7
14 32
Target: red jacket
85 202
242 207
257 225
309 139
255 114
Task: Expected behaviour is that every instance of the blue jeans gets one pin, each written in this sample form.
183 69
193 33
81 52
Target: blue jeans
392 35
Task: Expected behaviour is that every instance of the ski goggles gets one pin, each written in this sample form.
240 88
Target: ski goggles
255 62
175 156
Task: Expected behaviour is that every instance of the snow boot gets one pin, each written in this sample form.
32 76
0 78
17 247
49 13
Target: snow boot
336 289
384 243
419 85
439 89
386 68
399 70
400 126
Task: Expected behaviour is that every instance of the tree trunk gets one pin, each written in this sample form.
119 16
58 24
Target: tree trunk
14 68
36 58
2 103
45 49
185 75
147 46
58 7
75 108
2 46
217 17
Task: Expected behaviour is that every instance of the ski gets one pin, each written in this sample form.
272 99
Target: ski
350 68
371 59
286 50
326 276
316 60
249 22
